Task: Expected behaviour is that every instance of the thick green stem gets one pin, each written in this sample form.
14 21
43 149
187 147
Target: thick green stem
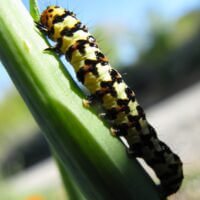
95 160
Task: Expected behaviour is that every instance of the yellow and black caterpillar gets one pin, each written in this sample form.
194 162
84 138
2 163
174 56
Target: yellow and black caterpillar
107 87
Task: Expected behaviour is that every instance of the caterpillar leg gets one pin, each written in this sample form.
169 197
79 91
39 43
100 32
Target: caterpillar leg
135 151
54 49
130 153
114 132
41 28
88 101
102 115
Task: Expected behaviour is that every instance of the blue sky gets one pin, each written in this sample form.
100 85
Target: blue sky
134 15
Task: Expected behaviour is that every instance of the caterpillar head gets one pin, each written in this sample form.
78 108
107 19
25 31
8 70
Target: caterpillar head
47 18
55 19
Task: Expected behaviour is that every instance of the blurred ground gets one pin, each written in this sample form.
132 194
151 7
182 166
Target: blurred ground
40 182
39 176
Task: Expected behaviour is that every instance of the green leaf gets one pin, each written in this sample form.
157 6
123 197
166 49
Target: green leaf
95 160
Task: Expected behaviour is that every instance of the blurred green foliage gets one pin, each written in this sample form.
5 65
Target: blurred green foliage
13 112
168 37
185 29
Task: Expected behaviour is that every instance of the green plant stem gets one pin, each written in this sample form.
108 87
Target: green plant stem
72 189
96 161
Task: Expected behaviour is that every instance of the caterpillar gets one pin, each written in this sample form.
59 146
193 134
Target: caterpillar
106 86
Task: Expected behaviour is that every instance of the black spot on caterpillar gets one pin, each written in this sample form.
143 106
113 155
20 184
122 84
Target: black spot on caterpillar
108 88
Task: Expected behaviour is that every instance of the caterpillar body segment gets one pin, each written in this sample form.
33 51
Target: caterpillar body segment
107 87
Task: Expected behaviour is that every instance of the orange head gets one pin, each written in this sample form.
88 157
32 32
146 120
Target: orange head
47 17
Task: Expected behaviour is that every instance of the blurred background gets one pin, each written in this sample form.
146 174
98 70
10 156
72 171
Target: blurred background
156 46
